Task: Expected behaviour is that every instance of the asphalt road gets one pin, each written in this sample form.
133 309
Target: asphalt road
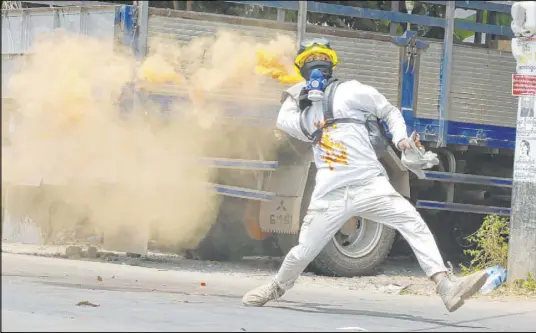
41 294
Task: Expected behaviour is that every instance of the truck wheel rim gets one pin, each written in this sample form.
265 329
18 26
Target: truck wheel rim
361 242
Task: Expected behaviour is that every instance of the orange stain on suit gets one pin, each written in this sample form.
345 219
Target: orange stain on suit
335 152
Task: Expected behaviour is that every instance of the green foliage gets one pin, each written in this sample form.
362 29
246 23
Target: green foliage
461 35
490 244
529 284
500 19
490 248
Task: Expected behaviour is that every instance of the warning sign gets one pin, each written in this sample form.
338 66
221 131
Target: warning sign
523 85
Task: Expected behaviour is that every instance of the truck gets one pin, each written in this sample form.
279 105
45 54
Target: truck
456 95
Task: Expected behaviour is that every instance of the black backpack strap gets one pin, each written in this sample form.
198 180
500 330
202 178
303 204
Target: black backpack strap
304 130
327 101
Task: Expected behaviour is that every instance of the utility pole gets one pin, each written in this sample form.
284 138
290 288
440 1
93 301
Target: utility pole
143 28
302 22
522 242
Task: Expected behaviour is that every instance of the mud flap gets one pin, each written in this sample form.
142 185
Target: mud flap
282 215
398 174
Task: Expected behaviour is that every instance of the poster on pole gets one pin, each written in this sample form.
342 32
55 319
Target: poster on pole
525 160
523 85
526 117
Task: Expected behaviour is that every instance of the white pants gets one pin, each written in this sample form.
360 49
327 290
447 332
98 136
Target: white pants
377 201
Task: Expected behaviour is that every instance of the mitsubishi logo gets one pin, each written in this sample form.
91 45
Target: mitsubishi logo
281 207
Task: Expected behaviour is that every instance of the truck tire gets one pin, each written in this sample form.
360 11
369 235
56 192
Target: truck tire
347 256
356 254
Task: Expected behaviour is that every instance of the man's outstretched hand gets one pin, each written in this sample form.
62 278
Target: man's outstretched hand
405 145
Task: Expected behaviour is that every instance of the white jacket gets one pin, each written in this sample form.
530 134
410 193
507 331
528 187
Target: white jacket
345 155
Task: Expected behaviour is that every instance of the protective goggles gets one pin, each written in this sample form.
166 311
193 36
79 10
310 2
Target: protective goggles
312 42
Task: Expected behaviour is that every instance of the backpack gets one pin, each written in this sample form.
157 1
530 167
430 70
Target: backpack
377 134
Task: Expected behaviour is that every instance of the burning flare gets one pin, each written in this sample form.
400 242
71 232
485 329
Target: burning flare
271 64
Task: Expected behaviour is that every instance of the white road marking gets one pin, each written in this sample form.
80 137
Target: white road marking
354 329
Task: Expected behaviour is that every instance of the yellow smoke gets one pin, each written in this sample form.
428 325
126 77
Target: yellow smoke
270 64
156 70
142 170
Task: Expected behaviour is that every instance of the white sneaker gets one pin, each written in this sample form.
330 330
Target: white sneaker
262 295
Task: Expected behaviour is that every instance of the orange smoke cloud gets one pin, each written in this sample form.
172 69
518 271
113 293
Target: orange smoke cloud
270 64
155 70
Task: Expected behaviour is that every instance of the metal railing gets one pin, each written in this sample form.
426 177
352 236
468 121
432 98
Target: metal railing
399 17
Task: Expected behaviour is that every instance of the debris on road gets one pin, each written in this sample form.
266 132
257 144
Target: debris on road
77 251
99 278
87 303
393 288
73 251
92 252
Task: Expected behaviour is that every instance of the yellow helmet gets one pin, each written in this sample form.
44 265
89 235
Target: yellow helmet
314 46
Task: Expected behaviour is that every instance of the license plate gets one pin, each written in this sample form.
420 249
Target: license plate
281 215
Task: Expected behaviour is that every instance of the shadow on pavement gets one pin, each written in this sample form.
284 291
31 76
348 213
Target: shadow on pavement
319 308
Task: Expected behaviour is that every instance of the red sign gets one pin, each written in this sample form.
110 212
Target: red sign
523 85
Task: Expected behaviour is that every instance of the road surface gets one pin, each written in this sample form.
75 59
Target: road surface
41 294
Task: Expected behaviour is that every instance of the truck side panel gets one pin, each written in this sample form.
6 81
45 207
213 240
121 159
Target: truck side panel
479 92
427 101
481 86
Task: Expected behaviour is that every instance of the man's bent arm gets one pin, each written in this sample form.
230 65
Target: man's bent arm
288 120
391 114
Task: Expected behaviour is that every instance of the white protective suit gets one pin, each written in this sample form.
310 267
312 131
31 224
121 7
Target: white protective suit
351 181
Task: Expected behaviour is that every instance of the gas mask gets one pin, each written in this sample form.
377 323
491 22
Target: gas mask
315 86
317 73
324 66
